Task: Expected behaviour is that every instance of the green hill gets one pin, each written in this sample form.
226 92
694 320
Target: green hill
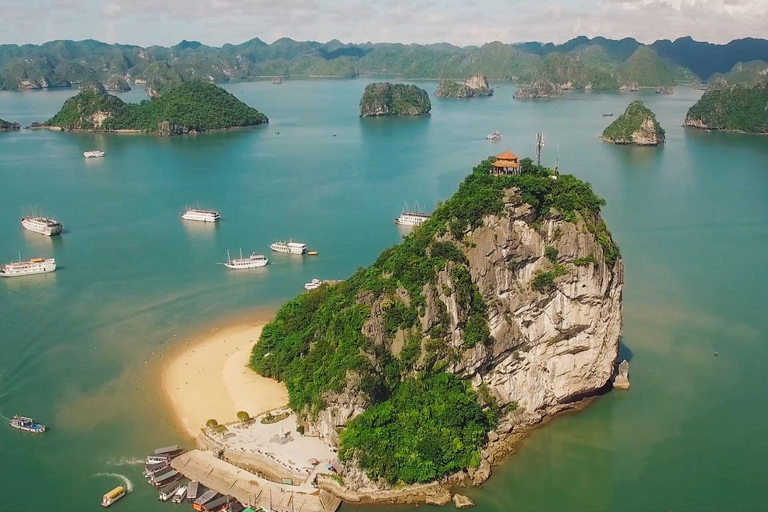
736 108
184 108
385 99
744 74
637 125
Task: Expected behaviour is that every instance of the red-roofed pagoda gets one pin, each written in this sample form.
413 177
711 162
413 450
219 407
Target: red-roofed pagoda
506 163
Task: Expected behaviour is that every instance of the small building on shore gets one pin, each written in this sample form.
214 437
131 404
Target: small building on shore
506 163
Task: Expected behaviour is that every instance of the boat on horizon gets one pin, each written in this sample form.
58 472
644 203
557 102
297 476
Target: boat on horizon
94 154
241 263
412 217
289 247
112 496
27 425
30 267
494 135
199 215
607 114
277 80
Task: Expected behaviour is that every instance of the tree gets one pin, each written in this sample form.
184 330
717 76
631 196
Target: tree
211 423
243 416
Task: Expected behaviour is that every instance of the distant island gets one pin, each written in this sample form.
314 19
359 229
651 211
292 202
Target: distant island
736 108
191 107
386 99
410 366
537 90
637 126
7 126
744 74
581 63
474 86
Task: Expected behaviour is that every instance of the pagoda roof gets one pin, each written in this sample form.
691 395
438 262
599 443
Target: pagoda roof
506 163
507 156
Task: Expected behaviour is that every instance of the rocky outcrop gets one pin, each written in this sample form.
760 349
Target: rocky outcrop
7 126
440 498
537 90
637 126
117 83
474 86
385 99
462 501
736 108
621 381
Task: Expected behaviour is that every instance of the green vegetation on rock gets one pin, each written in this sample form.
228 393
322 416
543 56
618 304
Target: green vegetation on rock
385 99
743 74
637 125
185 108
735 108
324 342
8 126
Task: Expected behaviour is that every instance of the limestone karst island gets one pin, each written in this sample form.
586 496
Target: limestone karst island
325 256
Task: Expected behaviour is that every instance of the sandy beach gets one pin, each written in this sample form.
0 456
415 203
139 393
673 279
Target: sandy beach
209 378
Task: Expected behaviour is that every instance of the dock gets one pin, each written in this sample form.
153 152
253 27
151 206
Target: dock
252 490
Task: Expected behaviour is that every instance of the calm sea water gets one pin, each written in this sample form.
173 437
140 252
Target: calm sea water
81 349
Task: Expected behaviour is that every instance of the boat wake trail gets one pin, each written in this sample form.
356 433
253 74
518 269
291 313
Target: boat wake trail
126 482
124 461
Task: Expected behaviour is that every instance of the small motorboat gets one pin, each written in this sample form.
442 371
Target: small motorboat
311 253
112 496
26 424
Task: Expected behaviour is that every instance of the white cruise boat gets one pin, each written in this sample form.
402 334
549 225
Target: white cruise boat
411 217
494 135
28 268
93 154
253 261
313 284
289 247
42 225
201 215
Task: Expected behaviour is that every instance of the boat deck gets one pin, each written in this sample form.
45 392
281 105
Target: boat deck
250 489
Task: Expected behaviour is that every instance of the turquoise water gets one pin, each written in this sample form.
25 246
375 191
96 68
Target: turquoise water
81 349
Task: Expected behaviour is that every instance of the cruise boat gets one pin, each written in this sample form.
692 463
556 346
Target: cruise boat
289 247
201 215
411 217
26 424
179 495
112 496
313 285
253 261
495 135
28 268
168 492
42 225
165 478
93 154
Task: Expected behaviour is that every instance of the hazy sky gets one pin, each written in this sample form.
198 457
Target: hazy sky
215 22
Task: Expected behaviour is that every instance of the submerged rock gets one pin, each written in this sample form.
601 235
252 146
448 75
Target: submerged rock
637 126
474 86
621 381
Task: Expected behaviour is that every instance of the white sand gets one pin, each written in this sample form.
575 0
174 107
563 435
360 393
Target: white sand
210 379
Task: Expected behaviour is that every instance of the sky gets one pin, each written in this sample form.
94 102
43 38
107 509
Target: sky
461 22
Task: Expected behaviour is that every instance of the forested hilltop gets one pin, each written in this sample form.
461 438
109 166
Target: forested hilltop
418 364
185 108
597 63
736 108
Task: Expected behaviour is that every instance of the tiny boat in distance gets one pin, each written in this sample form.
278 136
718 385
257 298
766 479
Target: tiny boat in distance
112 496
93 154
313 285
253 261
201 215
607 114
495 135
277 80
42 225
289 247
26 424
412 217
28 268
311 253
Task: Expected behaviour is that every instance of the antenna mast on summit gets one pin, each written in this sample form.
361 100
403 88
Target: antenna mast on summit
540 140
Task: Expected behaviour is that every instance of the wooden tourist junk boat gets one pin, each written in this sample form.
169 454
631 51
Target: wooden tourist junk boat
27 425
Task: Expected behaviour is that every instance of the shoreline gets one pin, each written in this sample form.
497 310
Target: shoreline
207 377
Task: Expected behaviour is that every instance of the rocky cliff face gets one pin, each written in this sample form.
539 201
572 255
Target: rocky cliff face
6 126
637 126
476 85
735 108
538 89
385 99
550 348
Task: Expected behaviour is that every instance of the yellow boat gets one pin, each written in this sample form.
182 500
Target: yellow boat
312 253
112 496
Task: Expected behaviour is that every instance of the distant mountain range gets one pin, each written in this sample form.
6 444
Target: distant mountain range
597 63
